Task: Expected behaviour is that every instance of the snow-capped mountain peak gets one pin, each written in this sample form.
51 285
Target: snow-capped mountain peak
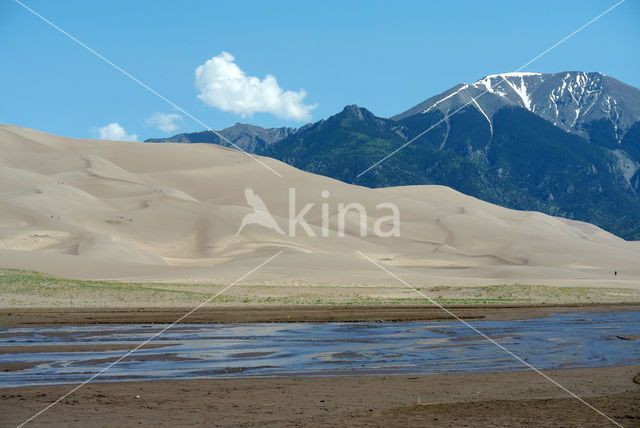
570 100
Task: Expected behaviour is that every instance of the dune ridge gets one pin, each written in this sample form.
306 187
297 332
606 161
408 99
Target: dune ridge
91 209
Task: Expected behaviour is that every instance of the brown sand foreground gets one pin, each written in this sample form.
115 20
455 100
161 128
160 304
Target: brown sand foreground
21 317
477 399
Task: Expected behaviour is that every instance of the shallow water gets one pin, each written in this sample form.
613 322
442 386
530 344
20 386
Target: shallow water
324 349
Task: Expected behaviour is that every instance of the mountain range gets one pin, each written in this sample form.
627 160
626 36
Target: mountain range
250 138
567 144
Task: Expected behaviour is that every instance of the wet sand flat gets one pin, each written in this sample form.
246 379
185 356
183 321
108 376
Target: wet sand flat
73 348
33 317
476 399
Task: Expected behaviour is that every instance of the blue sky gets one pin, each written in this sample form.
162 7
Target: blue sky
384 56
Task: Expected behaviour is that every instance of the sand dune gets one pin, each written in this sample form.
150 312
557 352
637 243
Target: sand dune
171 212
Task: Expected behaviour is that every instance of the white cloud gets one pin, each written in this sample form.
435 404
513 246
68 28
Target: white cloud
166 122
114 131
222 84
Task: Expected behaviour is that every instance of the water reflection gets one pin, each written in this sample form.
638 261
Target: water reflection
317 349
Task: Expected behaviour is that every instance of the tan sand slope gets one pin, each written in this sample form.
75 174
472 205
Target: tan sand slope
171 212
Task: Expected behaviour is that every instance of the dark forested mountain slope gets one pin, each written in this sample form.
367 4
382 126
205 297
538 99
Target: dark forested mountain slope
567 144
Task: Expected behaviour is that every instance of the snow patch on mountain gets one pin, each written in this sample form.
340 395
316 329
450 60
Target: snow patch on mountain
487 82
521 90
499 84
484 114
462 88
512 74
